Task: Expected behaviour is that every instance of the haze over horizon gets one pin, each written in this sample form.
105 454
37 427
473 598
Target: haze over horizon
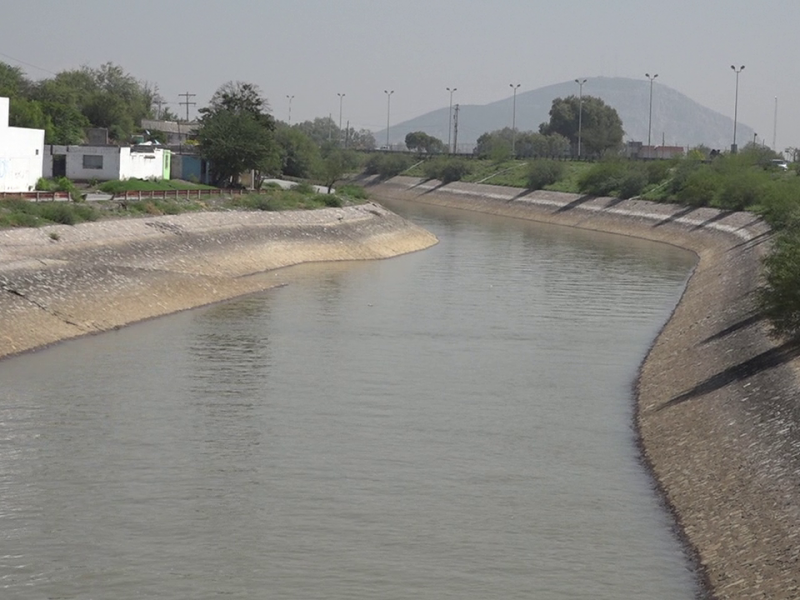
314 50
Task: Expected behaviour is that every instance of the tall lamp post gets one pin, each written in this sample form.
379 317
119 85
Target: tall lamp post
736 106
290 98
341 97
450 117
650 122
580 83
514 120
388 113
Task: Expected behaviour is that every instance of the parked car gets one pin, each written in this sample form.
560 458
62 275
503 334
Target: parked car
780 164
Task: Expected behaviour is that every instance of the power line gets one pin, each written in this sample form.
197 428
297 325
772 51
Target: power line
27 64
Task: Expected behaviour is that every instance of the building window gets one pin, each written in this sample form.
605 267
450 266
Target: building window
92 161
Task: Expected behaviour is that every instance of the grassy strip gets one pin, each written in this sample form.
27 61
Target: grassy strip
133 185
18 212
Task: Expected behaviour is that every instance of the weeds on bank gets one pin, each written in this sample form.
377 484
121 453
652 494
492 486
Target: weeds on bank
19 212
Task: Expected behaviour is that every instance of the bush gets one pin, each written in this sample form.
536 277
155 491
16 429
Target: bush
779 203
353 191
331 200
304 188
447 170
700 188
740 190
45 185
603 178
633 181
779 298
542 172
387 166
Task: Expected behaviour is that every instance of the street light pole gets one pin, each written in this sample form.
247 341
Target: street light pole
650 122
450 117
388 112
514 121
341 97
290 107
580 83
736 106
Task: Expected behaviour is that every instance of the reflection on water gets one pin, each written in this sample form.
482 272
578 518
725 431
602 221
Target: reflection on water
452 423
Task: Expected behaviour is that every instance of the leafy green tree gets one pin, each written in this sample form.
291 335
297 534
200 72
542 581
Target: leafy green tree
363 139
12 81
600 125
320 130
422 142
236 134
299 154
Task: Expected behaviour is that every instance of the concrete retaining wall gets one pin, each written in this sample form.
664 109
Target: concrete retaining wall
718 409
60 282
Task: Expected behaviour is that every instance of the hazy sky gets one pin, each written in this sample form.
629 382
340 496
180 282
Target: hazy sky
315 49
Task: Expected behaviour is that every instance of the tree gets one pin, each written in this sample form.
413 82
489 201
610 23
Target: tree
360 140
600 125
422 142
236 134
320 130
299 154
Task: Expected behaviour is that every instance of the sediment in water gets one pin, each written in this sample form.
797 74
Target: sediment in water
60 282
717 403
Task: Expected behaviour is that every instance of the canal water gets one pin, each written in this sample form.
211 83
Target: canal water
454 423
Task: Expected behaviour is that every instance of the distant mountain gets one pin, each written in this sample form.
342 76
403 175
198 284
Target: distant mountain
677 119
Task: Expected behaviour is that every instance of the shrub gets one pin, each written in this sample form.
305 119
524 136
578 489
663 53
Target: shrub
603 178
699 188
447 170
353 191
542 172
740 190
45 185
331 200
57 212
779 298
304 188
633 181
779 203
387 166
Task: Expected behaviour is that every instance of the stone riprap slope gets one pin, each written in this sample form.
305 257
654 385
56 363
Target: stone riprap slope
717 410
60 282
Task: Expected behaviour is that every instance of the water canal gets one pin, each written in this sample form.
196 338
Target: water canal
454 423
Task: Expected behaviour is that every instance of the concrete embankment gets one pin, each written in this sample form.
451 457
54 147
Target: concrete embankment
61 282
718 408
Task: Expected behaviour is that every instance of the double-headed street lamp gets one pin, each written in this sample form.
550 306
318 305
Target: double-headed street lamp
736 106
514 120
650 122
290 107
450 116
388 112
580 83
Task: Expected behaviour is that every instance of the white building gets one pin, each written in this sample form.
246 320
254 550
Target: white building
20 154
105 163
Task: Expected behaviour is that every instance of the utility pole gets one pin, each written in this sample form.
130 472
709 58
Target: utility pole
187 103
455 128
290 98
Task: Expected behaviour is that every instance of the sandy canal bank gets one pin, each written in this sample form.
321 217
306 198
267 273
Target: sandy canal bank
718 407
60 282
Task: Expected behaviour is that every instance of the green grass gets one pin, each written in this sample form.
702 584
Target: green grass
513 173
19 212
133 185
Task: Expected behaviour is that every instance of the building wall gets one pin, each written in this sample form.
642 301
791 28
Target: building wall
105 163
189 168
20 154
